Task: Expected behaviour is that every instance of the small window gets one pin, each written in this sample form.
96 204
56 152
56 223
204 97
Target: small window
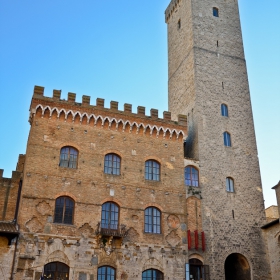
106 273
229 184
179 24
215 12
152 170
152 220
227 140
68 157
224 110
152 274
110 216
191 176
112 164
64 210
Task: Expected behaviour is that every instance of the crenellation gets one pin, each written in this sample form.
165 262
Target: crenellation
127 108
39 90
86 99
141 110
154 113
1 173
167 115
100 102
56 94
171 8
182 120
71 97
56 104
114 105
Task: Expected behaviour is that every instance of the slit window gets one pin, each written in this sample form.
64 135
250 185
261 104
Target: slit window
229 184
215 12
179 24
224 110
227 139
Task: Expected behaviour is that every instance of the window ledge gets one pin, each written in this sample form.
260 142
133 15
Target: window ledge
61 224
152 233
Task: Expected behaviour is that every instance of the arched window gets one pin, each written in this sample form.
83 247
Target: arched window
227 139
112 164
64 210
68 157
191 176
224 110
152 170
110 216
56 271
215 12
106 273
229 184
152 220
152 274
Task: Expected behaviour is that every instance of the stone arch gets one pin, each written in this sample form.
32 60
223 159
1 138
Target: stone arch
196 256
58 256
152 264
237 267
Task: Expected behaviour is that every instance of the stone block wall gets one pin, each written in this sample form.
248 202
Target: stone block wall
206 69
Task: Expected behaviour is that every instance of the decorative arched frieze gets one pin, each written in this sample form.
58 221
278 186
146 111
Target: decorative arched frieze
72 115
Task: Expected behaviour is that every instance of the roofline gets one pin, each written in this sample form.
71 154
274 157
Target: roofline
276 186
271 224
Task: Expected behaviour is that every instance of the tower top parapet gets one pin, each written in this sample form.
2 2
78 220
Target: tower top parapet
171 8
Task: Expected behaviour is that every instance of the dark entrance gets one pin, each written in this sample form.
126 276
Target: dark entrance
237 267
56 271
195 270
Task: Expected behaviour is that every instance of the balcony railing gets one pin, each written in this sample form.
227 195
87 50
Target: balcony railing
111 229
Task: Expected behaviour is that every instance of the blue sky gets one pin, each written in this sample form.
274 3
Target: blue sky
117 50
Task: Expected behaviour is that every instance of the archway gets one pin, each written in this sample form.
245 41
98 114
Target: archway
237 267
56 271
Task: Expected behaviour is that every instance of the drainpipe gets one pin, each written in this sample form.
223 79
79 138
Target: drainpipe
15 221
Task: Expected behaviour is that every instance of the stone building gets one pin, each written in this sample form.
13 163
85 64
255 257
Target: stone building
272 234
109 194
10 189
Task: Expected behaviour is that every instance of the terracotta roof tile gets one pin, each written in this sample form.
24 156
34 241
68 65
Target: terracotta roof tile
8 227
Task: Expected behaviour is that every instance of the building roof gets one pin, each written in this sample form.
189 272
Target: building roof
276 186
271 224
8 227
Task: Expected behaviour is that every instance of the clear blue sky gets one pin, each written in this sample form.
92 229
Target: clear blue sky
117 50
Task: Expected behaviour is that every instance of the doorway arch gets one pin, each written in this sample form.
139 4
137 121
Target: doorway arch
56 271
237 267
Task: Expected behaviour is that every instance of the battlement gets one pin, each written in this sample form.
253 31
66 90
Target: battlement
171 8
85 112
39 91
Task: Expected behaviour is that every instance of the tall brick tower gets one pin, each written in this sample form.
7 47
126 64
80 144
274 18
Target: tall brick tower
208 82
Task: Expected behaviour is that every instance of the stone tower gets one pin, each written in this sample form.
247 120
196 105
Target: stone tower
207 72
